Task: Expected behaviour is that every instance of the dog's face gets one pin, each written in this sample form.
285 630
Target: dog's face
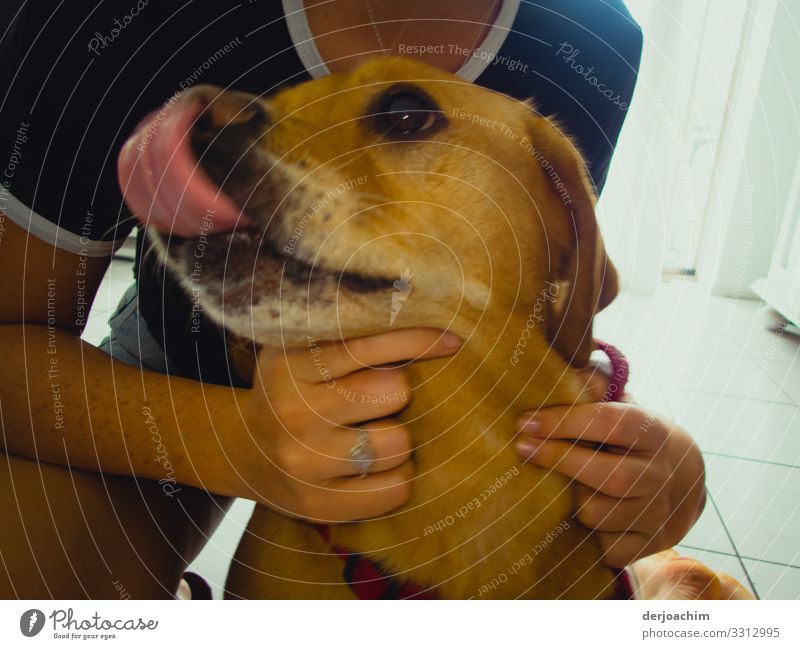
394 196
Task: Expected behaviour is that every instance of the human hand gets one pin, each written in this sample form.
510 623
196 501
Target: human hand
641 491
303 413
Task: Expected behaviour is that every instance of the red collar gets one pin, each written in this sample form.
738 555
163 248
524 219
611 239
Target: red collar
368 580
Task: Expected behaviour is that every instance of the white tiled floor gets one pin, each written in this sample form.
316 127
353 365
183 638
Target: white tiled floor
708 363
712 365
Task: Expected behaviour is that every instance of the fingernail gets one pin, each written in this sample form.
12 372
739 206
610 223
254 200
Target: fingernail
450 340
530 425
528 447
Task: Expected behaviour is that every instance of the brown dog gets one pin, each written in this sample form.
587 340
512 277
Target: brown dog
401 196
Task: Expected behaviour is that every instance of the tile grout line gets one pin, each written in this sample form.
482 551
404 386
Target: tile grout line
748 397
771 562
763 366
751 459
744 556
780 385
699 549
733 545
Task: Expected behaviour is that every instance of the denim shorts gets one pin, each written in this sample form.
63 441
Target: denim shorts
130 340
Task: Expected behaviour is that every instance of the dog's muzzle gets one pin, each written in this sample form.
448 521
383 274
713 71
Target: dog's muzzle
172 166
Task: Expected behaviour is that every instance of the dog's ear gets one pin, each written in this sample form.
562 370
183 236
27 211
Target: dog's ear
586 278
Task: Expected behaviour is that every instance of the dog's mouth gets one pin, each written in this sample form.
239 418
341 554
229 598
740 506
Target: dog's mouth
248 253
192 174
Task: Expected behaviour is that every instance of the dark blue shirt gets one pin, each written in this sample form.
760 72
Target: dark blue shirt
74 81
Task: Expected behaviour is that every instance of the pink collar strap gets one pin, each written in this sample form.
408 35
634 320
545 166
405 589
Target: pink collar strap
619 371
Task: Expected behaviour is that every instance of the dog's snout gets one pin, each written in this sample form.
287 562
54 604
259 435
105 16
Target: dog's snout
238 114
226 132
240 111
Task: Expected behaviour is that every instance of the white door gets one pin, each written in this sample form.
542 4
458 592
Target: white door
781 288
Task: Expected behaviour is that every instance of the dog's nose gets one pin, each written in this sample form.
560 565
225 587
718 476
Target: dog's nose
225 133
240 114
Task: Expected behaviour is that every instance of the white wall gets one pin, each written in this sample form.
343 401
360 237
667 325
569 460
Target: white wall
751 208
719 98
658 189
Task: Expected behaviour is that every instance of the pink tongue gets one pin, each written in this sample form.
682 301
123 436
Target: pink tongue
162 182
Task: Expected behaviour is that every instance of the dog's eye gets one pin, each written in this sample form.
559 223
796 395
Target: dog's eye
405 112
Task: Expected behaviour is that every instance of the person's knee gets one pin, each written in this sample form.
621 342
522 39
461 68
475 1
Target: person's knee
76 534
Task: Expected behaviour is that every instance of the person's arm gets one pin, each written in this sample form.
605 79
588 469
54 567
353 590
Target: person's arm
66 402
283 443
642 493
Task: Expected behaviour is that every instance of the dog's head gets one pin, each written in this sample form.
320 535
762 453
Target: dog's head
396 195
